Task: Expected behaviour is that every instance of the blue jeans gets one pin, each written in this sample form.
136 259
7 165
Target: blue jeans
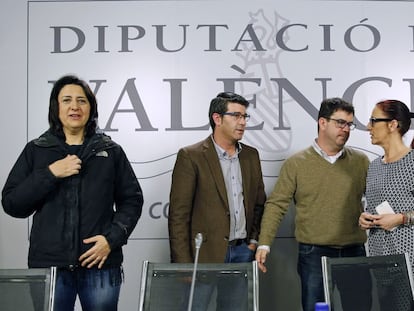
98 289
310 272
231 289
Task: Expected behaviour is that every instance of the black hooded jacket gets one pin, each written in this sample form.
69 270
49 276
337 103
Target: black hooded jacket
105 198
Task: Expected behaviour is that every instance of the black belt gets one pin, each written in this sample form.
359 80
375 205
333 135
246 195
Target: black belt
237 242
70 268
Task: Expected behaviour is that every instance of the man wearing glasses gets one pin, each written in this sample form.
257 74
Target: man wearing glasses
326 182
217 190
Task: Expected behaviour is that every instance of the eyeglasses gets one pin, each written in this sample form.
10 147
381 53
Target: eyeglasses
375 120
340 123
237 115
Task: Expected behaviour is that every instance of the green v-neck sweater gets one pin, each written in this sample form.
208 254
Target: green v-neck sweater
327 197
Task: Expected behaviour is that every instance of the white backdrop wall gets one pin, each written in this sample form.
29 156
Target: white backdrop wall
155 65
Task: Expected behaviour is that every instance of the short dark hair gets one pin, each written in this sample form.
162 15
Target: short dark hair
330 105
54 122
220 102
397 110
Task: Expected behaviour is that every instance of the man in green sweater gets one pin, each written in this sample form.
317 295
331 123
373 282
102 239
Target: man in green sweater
326 182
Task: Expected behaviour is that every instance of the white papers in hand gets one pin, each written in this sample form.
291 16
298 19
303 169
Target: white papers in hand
385 208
